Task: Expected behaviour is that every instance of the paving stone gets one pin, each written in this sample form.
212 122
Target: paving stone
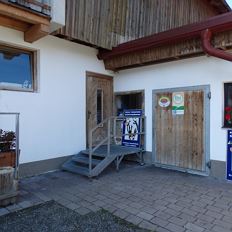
93 208
121 213
133 219
145 215
193 227
162 215
226 225
172 212
189 212
25 204
220 229
131 210
148 226
174 228
13 208
99 203
160 229
73 206
178 221
82 211
204 224
205 217
168 196
213 214
149 210
4 211
159 222
63 201
187 217
136 205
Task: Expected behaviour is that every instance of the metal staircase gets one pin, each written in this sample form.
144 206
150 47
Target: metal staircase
98 157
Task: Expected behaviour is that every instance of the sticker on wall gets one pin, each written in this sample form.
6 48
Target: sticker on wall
178 103
164 101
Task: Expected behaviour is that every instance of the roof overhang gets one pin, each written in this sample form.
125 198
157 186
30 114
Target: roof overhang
220 5
216 24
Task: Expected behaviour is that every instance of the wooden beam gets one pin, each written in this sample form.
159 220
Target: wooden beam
36 32
23 14
13 23
215 24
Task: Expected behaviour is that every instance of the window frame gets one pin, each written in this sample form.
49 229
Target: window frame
226 86
102 105
33 64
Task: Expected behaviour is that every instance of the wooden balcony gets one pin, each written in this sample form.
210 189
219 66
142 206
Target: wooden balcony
30 16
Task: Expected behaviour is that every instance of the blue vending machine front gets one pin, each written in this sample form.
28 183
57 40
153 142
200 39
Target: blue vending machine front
229 155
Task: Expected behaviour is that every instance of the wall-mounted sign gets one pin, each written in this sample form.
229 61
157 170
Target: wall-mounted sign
178 103
229 155
164 101
131 128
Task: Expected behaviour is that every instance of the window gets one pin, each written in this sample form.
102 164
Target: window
99 106
16 69
228 105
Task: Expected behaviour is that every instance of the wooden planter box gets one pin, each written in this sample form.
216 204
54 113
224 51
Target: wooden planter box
7 159
8 186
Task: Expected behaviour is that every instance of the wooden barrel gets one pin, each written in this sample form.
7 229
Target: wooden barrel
6 180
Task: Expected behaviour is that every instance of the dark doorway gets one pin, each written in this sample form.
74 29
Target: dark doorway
129 100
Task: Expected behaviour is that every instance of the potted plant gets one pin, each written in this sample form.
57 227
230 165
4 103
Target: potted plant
7 148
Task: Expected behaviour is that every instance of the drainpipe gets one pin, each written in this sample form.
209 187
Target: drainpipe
206 37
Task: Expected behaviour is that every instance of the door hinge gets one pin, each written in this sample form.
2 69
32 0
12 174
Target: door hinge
209 95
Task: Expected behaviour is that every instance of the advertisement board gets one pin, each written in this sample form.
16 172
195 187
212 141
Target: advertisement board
131 128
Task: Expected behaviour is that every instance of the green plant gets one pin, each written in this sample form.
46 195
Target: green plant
7 140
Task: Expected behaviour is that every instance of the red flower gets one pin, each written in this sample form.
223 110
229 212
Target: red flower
228 117
228 108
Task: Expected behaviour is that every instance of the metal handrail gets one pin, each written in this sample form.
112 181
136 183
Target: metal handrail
109 135
16 172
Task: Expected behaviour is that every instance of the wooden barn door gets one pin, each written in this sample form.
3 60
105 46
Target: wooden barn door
180 136
99 104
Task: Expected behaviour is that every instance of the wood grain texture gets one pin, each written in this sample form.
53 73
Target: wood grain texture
107 23
179 138
93 83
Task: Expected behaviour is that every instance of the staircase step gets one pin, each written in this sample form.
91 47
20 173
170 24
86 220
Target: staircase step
83 159
86 152
72 167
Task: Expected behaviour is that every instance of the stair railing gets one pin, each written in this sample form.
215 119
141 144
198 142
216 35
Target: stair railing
107 139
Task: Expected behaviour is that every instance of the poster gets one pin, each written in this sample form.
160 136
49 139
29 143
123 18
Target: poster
229 156
131 126
178 103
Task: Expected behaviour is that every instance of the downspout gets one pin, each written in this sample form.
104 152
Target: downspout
206 37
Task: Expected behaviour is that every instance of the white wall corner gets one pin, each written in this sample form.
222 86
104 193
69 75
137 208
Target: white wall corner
57 14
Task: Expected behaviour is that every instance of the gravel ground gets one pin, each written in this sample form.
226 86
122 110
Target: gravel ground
52 217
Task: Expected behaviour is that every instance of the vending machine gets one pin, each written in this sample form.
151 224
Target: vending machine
229 155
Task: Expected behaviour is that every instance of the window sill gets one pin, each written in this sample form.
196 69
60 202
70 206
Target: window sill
227 128
17 89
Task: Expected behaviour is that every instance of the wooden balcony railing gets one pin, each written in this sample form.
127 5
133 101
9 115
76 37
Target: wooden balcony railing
41 6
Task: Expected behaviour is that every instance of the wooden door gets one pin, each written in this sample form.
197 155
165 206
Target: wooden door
99 104
180 139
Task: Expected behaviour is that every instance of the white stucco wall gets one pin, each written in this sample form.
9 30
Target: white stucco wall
52 121
197 71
